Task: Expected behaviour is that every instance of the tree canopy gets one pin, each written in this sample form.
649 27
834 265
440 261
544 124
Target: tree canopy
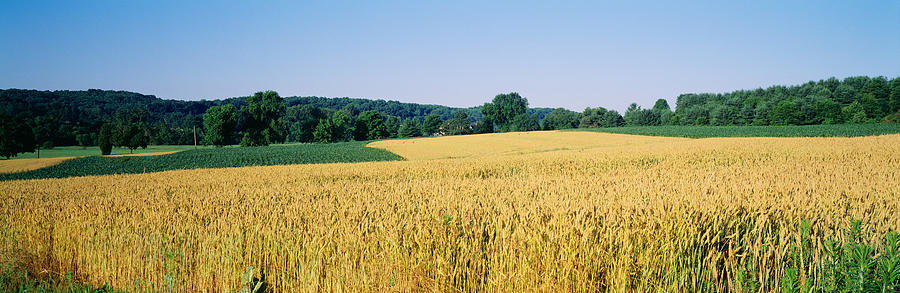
16 136
504 109
219 122
263 124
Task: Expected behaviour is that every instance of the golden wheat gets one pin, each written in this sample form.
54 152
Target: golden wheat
21 165
545 211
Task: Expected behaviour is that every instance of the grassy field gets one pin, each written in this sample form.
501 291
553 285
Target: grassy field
538 211
76 151
843 130
208 158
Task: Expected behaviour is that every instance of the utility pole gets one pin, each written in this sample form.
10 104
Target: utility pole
195 137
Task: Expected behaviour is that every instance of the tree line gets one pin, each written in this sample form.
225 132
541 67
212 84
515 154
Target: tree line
41 119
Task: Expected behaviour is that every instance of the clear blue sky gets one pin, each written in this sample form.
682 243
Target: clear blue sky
456 53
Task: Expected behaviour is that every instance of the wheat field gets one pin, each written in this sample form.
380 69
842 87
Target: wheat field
22 165
537 211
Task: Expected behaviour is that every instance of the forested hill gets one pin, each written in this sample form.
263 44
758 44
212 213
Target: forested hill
59 116
75 117
858 99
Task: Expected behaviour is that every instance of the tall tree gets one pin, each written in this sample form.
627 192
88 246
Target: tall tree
458 125
15 136
370 125
432 124
524 122
130 129
560 119
504 108
662 105
410 128
262 119
219 122
785 113
895 95
324 132
301 121
104 139
392 125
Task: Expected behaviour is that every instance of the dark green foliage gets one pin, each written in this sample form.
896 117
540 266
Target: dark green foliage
460 124
432 124
895 96
15 136
410 128
661 105
523 122
785 113
130 129
758 131
219 122
325 132
845 94
600 117
504 109
104 140
483 126
635 116
262 116
560 119
61 115
832 101
212 158
370 125
86 139
392 125
301 121
336 128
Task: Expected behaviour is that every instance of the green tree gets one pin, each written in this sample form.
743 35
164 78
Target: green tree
302 121
104 139
130 129
504 108
324 132
844 94
219 122
785 113
262 119
895 96
827 112
524 122
870 106
16 136
343 125
392 125
880 90
560 119
337 127
84 140
635 116
612 118
370 125
662 105
458 125
410 128
432 124
483 126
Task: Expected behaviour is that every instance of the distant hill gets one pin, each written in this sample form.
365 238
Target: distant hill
61 115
